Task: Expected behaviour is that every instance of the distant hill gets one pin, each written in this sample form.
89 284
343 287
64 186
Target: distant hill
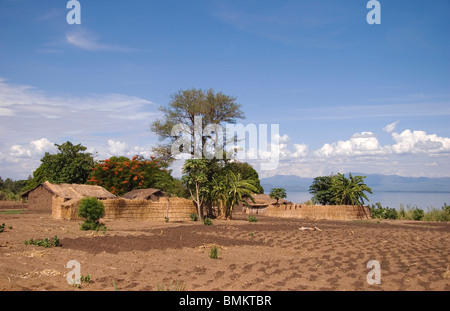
377 182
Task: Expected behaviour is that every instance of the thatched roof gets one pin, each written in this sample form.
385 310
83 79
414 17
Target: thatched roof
262 200
143 194
74 191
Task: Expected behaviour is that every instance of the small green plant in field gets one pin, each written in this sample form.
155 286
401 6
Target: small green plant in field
2 227
252 234
252 218
166 219
194 216
174 286
207 221
85 279
54 242
214 252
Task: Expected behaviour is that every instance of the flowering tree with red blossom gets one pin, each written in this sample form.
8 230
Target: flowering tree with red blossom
120 175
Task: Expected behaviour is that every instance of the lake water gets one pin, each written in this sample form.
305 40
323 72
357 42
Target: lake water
423 200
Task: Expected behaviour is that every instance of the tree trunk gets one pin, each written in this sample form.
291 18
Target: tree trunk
168 206
199 204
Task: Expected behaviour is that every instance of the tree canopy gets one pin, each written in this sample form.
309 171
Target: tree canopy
120 175
338 189
72 164
278 193
184 107
210 182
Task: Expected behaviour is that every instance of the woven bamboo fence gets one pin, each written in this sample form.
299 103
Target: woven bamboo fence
330 212
175 209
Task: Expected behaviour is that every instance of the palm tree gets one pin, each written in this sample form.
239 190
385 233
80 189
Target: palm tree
349 191
232 190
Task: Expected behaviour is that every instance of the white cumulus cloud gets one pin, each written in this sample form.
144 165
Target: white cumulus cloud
419 142
360 144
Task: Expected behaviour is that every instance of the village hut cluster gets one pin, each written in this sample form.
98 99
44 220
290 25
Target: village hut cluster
62 200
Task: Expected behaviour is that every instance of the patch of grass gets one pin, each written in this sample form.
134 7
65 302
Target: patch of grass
207 221
434 214
214 252
54 242
92 225
411 213
252 218
12 212
174 286
193 216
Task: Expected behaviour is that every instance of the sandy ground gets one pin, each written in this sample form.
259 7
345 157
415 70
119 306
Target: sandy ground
271 254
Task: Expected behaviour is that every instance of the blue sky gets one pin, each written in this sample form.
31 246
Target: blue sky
348 96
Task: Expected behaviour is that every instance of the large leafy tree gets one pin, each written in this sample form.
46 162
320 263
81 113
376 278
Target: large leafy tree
349 191
278 193
72 164
184 107
321 190
209 183
338 189
231 190
247 172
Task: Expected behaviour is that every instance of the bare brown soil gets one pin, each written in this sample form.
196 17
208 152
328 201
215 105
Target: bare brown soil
271 254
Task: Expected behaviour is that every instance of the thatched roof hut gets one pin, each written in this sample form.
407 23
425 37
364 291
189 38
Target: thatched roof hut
73 191
48 196
263 200
144 194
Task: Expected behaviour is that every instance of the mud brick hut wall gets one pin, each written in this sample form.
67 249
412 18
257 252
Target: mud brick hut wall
176 209
330 212
42 200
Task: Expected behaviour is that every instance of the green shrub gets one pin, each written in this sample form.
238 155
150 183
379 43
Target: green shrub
207 221
214 252
2 228
91 209
194 216
380 212
252 218
417 214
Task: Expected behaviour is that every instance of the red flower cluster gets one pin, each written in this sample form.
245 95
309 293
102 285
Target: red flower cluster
120 175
